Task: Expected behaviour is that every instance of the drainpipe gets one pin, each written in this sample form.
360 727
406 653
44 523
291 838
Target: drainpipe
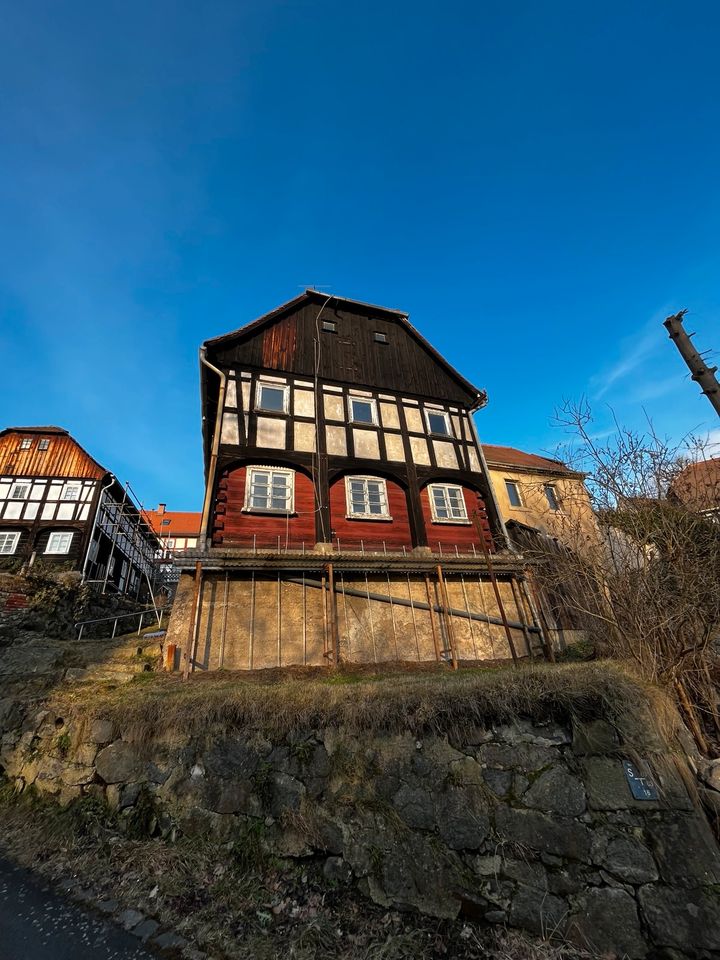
215 447
479 403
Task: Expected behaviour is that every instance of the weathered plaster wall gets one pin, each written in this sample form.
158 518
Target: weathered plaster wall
530 825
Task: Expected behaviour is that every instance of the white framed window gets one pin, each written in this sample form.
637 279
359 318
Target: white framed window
438 422
366 497
20 491
270 490
362 410
447 503
8 543
43 444
71 491
271 397
25 443
551 496
513 492
59 543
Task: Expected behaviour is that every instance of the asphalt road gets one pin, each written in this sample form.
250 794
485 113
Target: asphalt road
36 924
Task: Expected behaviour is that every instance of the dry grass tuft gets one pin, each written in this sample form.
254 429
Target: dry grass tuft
276 703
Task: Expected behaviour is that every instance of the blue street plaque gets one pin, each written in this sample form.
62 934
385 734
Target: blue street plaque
642 788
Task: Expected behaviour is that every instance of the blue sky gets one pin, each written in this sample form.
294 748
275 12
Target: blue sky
538 184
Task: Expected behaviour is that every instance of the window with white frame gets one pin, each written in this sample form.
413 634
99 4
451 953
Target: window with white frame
71 491
8 543
362 410
43 444
438 422
271 397
270 490
551 496
366 497
447 503
59 543
20 491
25 443
513 492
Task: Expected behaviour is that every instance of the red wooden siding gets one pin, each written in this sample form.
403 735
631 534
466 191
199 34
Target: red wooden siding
395 533
233 528
462 535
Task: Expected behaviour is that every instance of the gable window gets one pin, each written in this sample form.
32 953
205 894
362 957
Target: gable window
271 397
362 411
43 444
551 496
447 503
513 492
438 423
59 543
25 443
8 543
20 491
270 490
71 491
366 497
164 523
380 337
329 326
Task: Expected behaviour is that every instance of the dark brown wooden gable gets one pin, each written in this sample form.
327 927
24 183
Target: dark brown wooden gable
349 355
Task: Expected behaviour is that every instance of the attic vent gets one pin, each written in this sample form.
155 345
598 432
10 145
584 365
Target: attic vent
380 337
329 326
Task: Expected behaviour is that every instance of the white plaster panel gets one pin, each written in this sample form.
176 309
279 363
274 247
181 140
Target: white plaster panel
394 447
303 383
271 433
386 396
329 388
48 511
230 432
389 415
88 491
304 403
304 436
445 454
267 379
54 491
38 489
336 441
85 510
360 393
334 408
366 444
419 450
456 426
407 400
474 459
414 420
4 491
13 509
245 375
66 511
246 417
245 388
231 394
31 511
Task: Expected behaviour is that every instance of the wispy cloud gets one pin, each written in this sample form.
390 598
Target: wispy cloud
636 350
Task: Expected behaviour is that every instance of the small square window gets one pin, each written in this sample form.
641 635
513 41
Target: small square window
71 491
20 491
8 543
366 497
380 337
438 423
551 496
25 443
447 503
271 398
43 444
362 411
59 543
329 326
513 492
270 490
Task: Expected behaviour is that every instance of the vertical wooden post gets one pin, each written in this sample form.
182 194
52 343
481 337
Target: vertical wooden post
332 600
521 617
448 618
496 590
190 642
432 618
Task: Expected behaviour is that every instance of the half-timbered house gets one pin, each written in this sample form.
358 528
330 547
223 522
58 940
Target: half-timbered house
348 511
59 508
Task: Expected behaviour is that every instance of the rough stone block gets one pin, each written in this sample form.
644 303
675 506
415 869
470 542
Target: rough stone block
287 793
623 856
462 819
593 737
538 911
606 922
499 781
527 757
542 834
686 850
686 919
119 763
556 791
607 786
101 732
415 807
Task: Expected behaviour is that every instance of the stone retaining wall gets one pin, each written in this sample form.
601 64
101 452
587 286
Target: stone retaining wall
534 826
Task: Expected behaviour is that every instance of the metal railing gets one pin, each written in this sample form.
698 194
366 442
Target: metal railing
156 614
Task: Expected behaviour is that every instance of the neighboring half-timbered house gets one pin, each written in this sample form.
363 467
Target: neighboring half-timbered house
348 512
59 508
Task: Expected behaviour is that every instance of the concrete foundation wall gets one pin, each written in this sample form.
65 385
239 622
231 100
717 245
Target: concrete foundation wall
251 622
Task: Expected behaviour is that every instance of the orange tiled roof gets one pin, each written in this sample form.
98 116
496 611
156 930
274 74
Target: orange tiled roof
698 485
182 523
497 456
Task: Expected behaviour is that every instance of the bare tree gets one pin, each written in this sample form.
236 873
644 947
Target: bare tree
644 585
